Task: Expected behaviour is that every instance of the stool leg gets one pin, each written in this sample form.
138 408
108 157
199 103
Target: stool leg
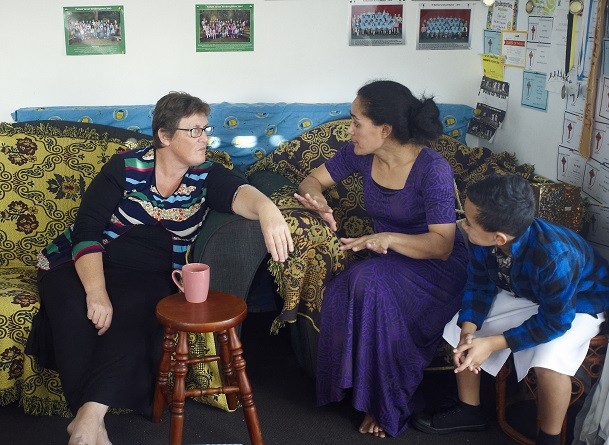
160 389
227 368
245 389
179 390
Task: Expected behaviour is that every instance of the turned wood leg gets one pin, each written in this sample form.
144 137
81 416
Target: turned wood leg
179 390
501 389
227 368
245 389
160 399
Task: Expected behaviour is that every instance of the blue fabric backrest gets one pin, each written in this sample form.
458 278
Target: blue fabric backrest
247 132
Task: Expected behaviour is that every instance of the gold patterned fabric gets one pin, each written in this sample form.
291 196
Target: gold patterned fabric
302 278
44 169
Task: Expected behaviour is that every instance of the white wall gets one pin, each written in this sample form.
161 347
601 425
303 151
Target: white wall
301 54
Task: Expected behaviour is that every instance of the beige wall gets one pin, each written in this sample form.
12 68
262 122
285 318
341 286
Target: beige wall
301 55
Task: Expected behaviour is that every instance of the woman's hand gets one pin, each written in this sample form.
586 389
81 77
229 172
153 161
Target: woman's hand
99 310
378 242
276 232
319 206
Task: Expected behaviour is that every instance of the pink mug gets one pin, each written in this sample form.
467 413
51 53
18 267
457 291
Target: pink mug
193 281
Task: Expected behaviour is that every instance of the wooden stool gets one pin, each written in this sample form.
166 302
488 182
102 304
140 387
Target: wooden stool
592 366
221 313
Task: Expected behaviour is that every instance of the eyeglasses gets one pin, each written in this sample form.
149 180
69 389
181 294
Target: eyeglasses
196 132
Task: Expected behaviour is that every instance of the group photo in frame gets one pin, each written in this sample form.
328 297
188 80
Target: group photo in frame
225 27
94 30
376 23
444 26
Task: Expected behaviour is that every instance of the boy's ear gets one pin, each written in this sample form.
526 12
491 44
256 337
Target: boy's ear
501 238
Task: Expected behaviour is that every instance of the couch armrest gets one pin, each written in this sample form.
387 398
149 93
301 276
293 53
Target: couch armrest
234 248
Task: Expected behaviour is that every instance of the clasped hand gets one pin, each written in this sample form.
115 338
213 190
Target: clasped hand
470 353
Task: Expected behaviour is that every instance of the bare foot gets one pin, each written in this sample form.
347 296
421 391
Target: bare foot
86 427
371 426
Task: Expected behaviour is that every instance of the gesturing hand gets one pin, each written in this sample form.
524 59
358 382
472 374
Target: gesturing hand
322 208
99 310
377 243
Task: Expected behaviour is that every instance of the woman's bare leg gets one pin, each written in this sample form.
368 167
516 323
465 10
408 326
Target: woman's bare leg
86 427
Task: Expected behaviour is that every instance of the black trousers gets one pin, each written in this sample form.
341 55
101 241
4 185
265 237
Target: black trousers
117 368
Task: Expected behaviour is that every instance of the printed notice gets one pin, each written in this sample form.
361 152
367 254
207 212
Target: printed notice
513 48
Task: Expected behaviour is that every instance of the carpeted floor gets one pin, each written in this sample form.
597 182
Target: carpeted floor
284 397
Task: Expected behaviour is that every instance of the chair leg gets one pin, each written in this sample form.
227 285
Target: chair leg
227 368
179 390
160 389
245 389
500 392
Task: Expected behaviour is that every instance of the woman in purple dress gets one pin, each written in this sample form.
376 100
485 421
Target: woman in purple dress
382 318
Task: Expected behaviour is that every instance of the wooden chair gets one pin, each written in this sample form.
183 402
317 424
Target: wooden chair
592 366
220 314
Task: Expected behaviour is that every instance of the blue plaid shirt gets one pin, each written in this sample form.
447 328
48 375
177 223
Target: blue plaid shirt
551 266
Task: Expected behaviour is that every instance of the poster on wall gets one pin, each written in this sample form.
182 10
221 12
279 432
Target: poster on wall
376 22
570 166
94 30
444 25
513 48
224 27
490 110
598 224
502 15
534 94
596 182
492 42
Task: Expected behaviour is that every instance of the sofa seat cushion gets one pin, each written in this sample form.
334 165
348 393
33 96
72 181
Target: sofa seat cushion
36 389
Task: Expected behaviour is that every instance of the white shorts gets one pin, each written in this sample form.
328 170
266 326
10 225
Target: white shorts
564 354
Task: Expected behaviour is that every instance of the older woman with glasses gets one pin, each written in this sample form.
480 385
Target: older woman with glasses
100 281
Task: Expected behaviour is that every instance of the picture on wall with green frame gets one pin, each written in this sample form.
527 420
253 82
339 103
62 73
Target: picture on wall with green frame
92 30
224 27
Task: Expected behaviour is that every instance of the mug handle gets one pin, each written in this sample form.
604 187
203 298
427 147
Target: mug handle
176 280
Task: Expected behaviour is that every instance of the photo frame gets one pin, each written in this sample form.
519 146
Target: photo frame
93 30
444 25
227 27
376 23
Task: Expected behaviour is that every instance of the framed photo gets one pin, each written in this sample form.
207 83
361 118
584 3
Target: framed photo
94 30
225 27
376 23
444 26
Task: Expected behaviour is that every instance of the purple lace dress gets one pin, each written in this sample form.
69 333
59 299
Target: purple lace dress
382 318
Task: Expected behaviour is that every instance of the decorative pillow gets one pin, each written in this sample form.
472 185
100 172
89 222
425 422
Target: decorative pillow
296 158
44 170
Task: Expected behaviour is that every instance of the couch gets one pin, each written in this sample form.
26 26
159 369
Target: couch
46 165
